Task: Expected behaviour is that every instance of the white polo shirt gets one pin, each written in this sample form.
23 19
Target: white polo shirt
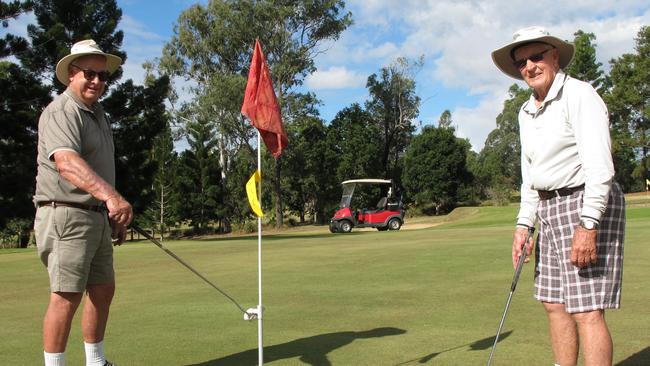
565 143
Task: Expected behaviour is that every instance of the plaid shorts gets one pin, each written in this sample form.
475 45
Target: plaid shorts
556 279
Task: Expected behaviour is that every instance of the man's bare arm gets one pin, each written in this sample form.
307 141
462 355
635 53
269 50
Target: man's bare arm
76 170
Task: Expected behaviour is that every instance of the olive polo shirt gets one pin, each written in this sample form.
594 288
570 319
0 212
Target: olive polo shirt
68 124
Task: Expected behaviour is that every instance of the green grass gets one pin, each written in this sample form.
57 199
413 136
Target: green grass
431 296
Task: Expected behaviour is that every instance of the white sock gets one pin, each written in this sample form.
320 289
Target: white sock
95 354
54 359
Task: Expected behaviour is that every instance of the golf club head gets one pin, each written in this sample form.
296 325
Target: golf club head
252 314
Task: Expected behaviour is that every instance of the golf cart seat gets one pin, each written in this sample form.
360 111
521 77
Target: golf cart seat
382 203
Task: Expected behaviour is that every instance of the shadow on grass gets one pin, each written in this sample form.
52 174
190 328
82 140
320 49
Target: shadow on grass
311 350
480 345
641 358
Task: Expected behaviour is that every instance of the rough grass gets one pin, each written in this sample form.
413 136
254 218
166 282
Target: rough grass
431 296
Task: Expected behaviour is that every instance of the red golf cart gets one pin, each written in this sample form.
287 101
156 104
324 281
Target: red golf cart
388 213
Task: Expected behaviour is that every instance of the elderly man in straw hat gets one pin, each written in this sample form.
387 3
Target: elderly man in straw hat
79 212
567 183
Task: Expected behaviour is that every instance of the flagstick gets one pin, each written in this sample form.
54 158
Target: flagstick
260 347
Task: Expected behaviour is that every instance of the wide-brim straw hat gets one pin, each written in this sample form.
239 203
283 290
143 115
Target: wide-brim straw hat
502 57
83 48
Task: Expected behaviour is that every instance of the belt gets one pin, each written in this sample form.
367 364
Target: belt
99 208
547 195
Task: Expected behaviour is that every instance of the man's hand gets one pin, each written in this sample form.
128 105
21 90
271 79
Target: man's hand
119 211
76 170
583 248
518 244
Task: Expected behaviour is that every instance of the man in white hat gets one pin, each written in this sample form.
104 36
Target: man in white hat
79 212
567 183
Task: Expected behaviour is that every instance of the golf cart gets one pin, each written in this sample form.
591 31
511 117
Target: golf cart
388 214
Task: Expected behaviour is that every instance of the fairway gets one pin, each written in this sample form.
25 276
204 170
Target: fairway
430 296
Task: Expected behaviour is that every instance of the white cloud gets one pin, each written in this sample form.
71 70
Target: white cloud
476 123
141 45
387 49
335 77
136 29
457 38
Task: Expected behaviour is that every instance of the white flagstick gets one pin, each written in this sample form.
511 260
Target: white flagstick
260 347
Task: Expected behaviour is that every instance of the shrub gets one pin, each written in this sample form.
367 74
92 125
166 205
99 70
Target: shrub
16 234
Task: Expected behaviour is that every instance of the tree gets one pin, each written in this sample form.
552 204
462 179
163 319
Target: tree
393 106
13 10
628 101
243 164
499 162
21 102
160 213
199 178
355 139
138 116
310 186
435 168
62 23
445 120
584 66
215 41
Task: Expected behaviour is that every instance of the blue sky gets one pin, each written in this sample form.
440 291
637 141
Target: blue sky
455 37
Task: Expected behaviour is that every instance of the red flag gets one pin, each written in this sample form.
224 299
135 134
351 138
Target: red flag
261 106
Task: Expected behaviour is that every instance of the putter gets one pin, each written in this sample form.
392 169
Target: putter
248 314
513 286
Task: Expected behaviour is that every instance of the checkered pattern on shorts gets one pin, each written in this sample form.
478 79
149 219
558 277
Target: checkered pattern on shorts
556 279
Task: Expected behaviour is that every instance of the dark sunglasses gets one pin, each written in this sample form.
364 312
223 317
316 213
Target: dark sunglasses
537 57
90 74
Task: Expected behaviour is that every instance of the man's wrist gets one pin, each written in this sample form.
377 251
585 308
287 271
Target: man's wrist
588 223
115 195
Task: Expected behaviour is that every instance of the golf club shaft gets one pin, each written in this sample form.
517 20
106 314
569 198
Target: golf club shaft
159 245
513 286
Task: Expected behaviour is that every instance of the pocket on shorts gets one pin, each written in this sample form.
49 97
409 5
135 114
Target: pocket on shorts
60 220
70 265
74 224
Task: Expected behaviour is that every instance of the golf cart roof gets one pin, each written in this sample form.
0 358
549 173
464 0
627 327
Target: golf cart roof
368 181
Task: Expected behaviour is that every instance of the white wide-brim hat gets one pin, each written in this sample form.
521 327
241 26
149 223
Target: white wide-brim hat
502 57
83 48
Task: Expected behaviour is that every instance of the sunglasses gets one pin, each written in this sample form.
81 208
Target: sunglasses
91 74
537 57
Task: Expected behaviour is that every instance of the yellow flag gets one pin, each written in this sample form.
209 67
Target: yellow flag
647 184
251 192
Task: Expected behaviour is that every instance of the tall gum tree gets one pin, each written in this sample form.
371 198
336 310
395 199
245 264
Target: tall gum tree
394 105
214 42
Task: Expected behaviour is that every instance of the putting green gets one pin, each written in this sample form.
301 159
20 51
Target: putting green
423 296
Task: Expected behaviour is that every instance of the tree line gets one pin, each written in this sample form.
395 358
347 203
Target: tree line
202 189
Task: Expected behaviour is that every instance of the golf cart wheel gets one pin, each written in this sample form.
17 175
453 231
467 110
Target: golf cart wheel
394 224
345 226
334 228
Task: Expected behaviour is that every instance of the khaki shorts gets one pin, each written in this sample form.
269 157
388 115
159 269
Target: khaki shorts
75 246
